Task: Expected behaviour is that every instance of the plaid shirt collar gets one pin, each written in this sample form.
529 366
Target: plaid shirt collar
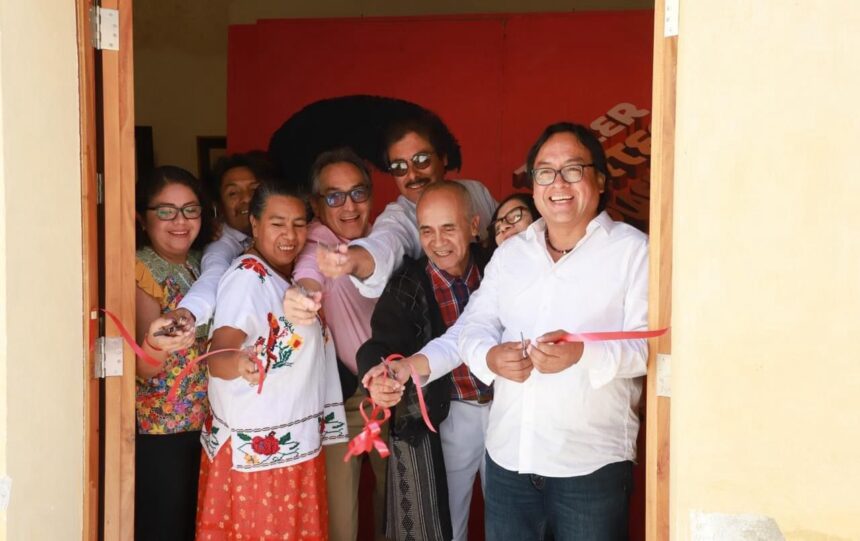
452 293
443 280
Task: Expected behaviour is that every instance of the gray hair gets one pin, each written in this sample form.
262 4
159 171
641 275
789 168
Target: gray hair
457 189
331 157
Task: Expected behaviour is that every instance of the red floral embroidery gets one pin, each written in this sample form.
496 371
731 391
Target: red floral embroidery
265 446
208 424
256 266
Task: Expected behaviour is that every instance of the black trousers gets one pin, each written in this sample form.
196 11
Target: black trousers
165 487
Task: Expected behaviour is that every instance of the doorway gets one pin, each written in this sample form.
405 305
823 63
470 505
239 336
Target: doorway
121 95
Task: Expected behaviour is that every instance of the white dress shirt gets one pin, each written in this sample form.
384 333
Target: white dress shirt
200 299
580 419
395 234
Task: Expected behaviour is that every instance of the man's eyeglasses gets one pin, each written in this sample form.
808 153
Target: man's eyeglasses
420 161
359 194
168 213
512 216
544 176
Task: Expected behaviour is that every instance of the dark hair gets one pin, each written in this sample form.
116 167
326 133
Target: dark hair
588 140
331 157
430 127
267 189
526 199
257 161
151 184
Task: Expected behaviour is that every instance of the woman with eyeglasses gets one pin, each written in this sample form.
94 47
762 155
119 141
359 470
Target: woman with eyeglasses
172 227
514 214
277 403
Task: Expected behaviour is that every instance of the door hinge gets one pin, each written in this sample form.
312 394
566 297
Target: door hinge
104 24
108 356
664 375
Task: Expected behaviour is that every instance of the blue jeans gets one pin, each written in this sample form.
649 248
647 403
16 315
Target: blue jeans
525 507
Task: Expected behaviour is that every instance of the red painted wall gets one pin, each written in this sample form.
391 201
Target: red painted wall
496 80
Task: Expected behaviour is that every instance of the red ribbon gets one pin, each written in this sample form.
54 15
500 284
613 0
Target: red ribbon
171 395
611 335
421 404
368 439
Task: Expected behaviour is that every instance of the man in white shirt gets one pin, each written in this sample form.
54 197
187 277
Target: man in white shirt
237 176
416 156
562 430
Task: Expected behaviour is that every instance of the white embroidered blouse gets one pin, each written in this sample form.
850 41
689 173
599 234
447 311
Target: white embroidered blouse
300 408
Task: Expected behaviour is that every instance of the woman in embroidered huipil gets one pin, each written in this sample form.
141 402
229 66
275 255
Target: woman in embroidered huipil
172 225
265 477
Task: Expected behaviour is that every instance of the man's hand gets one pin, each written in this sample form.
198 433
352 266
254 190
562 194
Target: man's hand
550 357
248 370
506 360
334 262
299 308
385 391
180 338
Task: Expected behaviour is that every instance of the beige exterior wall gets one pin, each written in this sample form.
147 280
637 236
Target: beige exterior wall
181 53
41 380
766 379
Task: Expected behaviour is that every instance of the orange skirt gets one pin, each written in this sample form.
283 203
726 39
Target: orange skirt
282 503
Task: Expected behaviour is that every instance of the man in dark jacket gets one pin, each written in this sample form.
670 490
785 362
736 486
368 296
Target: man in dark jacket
419 303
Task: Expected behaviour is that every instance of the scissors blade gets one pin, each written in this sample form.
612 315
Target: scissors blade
523 344
388 371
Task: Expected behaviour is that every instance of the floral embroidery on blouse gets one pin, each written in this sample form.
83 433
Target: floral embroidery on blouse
276 349
254 265
168 283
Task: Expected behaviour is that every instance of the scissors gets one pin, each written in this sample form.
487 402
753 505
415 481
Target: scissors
523 345
389 372
170 329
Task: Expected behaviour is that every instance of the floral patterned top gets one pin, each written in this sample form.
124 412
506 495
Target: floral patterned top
300 407
167 283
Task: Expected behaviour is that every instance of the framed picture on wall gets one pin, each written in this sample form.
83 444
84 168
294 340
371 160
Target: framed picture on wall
209 150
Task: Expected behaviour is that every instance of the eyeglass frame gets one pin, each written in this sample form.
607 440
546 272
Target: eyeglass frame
508 221
350 194
556 172
420 166
177 211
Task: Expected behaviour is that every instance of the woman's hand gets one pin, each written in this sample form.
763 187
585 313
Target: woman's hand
299 308
248 370
181 338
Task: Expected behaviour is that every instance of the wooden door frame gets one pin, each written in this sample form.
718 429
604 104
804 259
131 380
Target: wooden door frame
89 229
108 474
660 276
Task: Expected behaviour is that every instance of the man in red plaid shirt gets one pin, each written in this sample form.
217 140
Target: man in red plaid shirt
447 225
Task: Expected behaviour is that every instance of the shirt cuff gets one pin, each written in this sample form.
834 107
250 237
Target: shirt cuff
595 361
478 364
433 353
198 309
369 287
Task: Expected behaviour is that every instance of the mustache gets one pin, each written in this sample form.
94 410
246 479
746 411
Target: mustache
418 182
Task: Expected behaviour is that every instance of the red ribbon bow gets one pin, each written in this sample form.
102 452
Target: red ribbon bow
368 439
